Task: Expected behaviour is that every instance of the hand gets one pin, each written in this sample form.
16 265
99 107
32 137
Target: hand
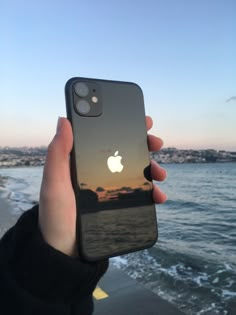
57 206
158 173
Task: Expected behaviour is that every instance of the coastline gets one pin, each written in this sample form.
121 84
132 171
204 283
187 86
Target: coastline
191 279
25 157
7 218
120 294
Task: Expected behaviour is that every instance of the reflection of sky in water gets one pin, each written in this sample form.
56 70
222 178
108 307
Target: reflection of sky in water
109 194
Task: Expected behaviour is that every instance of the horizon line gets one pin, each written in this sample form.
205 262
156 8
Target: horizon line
173 148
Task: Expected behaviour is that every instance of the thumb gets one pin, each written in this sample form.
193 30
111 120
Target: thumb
57 209
56 166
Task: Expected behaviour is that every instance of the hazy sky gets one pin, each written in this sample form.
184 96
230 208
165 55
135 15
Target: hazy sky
182 53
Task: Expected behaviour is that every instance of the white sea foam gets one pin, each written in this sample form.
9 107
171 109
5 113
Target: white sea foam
216 280
228 294
119 261
212 309
228 267
22 187
203 277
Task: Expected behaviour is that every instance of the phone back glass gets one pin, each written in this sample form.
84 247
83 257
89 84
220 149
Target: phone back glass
110 165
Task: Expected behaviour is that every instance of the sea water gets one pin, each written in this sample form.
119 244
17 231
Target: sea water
193 264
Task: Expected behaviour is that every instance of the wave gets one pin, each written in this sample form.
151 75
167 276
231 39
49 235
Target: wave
187 280
193 265
21 188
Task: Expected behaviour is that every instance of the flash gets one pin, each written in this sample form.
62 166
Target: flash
94 99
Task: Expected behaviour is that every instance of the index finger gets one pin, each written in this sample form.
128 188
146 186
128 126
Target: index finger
149 122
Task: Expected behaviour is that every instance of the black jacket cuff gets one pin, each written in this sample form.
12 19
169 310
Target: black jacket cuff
42 270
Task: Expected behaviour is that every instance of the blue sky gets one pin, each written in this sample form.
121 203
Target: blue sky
182 54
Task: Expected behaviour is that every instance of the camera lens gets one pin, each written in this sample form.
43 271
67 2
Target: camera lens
83 107
81 89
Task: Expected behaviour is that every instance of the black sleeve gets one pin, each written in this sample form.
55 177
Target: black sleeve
37 279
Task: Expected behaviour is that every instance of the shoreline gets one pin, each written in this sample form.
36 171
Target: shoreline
167 265
25 157
7 218
158 161
120 294
127 289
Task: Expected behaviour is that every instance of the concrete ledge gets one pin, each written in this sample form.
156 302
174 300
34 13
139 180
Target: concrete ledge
127 296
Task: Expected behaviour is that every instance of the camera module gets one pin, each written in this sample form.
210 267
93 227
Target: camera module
81 89
83 107
87 98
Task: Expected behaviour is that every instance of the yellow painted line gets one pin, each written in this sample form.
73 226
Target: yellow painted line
99 294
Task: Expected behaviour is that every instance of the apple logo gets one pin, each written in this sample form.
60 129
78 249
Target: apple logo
114 163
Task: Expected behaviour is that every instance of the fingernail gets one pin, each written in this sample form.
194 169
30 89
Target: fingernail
59 124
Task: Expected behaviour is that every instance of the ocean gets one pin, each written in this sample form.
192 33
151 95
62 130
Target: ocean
193 264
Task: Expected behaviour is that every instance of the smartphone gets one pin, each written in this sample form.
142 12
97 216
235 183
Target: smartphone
110 168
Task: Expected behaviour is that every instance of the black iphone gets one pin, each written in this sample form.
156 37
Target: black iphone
110 168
